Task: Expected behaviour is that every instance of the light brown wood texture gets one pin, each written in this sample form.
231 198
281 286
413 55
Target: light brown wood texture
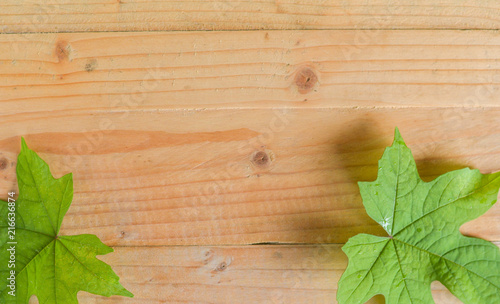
217 145
184 177
252 274
161 15
303 69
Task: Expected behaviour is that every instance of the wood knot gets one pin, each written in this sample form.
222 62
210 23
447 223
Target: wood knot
3 163
260 159
91 65
207 256
305 80
62 51
221 267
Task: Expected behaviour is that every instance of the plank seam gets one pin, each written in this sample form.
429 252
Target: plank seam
263 244
254 30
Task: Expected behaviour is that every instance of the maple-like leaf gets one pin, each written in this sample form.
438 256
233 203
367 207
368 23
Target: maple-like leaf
424 242
52 267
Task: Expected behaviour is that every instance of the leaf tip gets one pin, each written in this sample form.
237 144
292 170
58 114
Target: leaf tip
397 137
24 146
128 294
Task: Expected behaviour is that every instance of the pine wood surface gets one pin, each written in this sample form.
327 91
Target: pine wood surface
239 176
187 15
234 274
250 69
217 145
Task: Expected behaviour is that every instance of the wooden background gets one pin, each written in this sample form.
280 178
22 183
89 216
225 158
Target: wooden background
216 145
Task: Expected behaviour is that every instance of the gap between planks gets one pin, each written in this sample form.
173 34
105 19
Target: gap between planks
252 30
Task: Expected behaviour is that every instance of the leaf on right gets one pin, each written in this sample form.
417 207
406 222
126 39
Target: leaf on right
424 242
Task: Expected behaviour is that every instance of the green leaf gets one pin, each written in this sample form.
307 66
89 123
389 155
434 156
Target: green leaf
52 267
424 243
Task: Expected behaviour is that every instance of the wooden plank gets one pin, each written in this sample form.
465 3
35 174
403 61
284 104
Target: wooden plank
240 176
60 72
241 274
161 15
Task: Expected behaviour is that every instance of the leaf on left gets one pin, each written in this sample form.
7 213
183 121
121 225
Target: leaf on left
45 264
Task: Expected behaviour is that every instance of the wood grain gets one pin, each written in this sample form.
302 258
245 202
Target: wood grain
196 128
252 274
302 69
188 15
232 176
